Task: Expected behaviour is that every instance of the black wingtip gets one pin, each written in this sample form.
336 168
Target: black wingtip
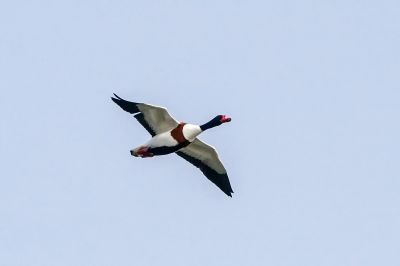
130 107
227 192
117 96
114 100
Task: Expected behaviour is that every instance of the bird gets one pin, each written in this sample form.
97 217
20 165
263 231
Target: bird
170 136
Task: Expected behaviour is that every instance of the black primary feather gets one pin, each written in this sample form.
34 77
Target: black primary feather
220 180
140 117
127 106
131 107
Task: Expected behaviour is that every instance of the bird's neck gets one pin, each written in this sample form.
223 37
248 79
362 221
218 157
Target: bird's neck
210 124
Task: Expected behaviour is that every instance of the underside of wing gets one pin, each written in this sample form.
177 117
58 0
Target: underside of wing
205 157
154 119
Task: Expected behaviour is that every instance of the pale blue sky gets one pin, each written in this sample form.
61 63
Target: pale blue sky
312 151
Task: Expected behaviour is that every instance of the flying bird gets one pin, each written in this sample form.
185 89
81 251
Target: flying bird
170 136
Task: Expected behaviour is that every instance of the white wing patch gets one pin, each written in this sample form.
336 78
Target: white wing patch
157 117
205 153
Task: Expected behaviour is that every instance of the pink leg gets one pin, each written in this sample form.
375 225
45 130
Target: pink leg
142 152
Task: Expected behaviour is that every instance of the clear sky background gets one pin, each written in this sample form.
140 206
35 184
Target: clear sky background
312 150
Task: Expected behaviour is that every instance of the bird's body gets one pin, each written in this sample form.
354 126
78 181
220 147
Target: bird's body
169 136
168 142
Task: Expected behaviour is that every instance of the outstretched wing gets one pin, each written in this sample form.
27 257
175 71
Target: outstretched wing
154 119
205 157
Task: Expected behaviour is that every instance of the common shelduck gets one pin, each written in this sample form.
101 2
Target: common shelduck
170 136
